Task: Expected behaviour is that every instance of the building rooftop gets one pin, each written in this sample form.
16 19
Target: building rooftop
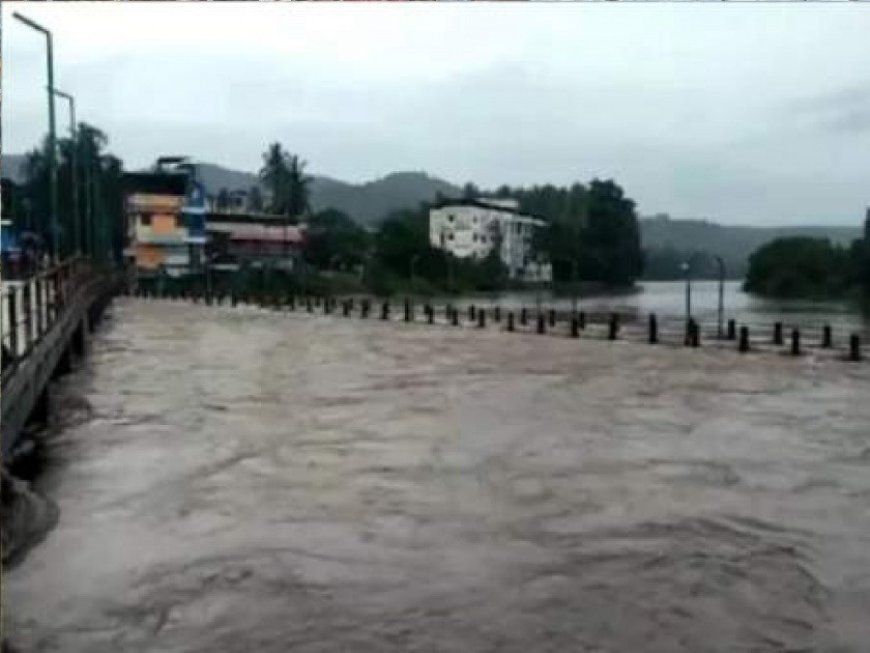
484 203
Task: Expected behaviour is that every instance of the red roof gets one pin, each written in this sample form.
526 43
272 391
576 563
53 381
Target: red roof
259 232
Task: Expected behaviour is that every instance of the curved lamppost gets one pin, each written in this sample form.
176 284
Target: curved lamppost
721 308
686 267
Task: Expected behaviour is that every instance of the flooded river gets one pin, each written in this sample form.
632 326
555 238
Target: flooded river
241 480
668 300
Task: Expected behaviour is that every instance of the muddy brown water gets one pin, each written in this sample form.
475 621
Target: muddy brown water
241 480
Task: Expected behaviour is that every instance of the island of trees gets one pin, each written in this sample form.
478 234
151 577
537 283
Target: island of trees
811 268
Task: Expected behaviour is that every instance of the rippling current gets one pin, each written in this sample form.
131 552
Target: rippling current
242 480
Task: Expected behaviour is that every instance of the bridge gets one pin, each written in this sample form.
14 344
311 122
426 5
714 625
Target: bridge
46 321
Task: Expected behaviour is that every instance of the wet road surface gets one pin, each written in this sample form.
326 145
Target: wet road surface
239 480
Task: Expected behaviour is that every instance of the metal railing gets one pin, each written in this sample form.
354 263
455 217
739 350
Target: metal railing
662 329
30 307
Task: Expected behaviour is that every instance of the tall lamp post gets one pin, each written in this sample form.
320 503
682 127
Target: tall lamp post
721 265
52 137
687 270
77 224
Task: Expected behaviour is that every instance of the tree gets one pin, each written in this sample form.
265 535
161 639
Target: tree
223 199
333 240
592 230
799 267
97 223
255 199
283 174
470 191
298 195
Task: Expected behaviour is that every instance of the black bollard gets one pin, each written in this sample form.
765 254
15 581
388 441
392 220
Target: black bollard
582 319
510 321
613 326
541 328
732 330
233 299
743 346
448 312
326 307
552 317
472 313
575 327
345 308
696 334
364 309
854 347
777 333
827 340
385 310
524 316
407 311
430 314
481 318
795 342
653 329
317 301
454 317
496 314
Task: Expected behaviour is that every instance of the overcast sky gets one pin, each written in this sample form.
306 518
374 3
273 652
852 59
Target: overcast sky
742 113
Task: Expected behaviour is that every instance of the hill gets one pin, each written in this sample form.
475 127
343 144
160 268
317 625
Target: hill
366 203
667 241
665 238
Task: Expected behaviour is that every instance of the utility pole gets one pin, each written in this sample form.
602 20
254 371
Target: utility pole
52 137
721 264
77 222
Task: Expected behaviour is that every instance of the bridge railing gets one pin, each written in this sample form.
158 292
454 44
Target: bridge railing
30 307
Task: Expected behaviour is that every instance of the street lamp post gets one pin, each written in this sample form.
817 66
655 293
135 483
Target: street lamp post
721 264
52 137
77 223
687 268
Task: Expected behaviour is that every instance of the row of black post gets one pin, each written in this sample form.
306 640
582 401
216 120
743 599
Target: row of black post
477 315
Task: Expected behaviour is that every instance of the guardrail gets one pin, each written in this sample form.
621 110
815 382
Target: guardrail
30 307
651 328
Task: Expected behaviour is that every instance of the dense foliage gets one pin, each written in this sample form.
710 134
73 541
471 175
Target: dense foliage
592 231
808 267
283 174
97 226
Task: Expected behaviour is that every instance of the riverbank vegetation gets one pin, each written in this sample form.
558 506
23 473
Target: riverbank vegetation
811 268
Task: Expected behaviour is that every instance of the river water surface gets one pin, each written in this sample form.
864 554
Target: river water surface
243 480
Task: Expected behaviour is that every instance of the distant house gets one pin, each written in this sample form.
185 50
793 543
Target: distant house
472 227
256 239
165 212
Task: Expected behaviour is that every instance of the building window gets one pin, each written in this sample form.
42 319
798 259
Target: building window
179 221
450 218
483 239
474 219
474 237
145 220
449 236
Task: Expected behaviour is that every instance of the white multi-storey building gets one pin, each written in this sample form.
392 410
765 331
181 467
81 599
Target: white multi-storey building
472 227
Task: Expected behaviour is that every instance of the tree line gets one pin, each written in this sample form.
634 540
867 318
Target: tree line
591 231
94 225
813 268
